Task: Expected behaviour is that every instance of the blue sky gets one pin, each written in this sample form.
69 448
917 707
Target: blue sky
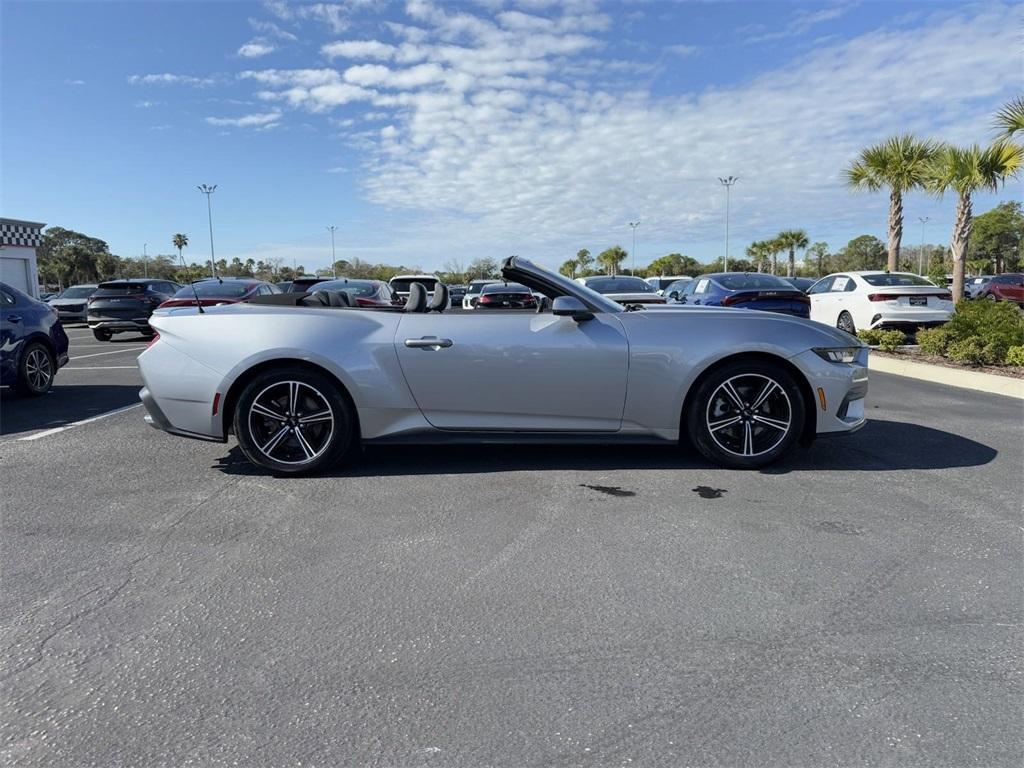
430 131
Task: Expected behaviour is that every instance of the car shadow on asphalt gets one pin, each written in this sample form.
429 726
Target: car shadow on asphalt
64 404
879 447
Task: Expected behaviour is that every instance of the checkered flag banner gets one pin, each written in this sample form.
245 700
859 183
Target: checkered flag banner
19 233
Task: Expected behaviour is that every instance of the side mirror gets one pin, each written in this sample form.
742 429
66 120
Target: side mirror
674 295
570 306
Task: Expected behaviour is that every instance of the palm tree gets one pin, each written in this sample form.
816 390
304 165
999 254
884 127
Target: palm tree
790 240
1010 118
757 252
774 247
899 164
180 241
568 268
610 258
967 170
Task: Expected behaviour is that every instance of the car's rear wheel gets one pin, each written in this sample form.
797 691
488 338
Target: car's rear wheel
293 422
746 414
992 297
845 323
101 334
37 369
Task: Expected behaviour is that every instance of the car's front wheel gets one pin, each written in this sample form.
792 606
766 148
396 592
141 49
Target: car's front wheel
101 334
293 422
746 414
37 369
845 323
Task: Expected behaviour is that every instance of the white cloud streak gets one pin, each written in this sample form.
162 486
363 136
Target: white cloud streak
256 48
166 78
263 120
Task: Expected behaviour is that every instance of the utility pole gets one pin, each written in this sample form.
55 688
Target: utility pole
334 258
727 182
207 190
920 256
633 225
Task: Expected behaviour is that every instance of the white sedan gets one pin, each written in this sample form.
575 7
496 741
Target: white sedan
853 301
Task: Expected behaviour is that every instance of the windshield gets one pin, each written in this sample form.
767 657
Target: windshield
744 281
401 284
883 279
78 292
619 285
560 285
214 289
351 287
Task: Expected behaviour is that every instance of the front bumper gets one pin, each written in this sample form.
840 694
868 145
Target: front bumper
839 391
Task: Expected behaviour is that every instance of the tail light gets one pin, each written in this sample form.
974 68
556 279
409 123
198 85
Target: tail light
945 296
364 302
484 300
728 300
881 297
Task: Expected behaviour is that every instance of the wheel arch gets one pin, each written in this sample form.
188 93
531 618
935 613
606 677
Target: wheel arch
284 363
810 412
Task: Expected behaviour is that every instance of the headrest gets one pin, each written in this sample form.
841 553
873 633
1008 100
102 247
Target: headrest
417 301
439 301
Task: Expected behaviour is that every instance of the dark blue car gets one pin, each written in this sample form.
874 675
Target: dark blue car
33 344
747 290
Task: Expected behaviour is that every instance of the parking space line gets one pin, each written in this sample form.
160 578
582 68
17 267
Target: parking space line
56 430
99 354
107 346
100 368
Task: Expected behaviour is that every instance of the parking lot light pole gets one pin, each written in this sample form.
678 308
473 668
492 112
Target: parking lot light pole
920 256
633 225
207 190
334 259
727 182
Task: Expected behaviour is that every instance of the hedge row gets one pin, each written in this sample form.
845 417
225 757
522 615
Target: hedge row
978 333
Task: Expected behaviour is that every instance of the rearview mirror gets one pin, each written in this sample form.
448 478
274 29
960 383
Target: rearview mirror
570 306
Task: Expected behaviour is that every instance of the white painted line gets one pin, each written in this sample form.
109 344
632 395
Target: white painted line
55 430
107 346
100 368
99 354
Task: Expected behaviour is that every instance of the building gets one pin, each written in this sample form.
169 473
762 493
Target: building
18 243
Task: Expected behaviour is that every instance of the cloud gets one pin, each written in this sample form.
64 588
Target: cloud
263 120
488 123
684 50
167 78
146 104
336 16
256 48
74 82
358 49
271 29
801 23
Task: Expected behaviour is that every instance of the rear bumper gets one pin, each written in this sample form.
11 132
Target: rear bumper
158 420
907 318
111 324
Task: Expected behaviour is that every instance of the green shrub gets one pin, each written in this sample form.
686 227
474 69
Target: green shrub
889 340
966 351
1015 356
989 321
869 336
934 341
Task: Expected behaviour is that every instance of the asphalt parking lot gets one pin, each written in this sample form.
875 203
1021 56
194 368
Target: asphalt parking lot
163 604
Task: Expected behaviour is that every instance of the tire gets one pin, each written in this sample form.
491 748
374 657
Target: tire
272 437
992 297
101 334
845 323
768 414
36 370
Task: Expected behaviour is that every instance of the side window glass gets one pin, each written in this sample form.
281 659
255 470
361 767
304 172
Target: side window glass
850 285
839 284
822 285
702 286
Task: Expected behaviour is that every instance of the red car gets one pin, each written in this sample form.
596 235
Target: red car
1008 287
228 290
364 293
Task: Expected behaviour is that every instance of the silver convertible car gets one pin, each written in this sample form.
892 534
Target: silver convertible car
302 380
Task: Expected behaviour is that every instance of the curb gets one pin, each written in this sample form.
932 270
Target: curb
938 374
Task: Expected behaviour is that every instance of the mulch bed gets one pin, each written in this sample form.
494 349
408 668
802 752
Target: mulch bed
914 354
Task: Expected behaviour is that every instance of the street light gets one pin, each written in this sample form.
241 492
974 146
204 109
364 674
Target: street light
207 190
334 260
633 225
920 256
727 182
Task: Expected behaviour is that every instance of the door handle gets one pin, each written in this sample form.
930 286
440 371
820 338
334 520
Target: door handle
428 342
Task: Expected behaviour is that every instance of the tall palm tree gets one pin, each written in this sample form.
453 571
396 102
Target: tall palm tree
897 164
180 241
1010 117
611 258
774 249
790 240
568 268
966 170
758 252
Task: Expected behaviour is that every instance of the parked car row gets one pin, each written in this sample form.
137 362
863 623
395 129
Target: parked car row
33 345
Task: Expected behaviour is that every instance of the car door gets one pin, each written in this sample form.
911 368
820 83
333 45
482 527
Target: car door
822 301
12 331
1014 289
515 370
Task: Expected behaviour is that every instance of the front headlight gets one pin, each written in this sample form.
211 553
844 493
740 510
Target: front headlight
838 354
